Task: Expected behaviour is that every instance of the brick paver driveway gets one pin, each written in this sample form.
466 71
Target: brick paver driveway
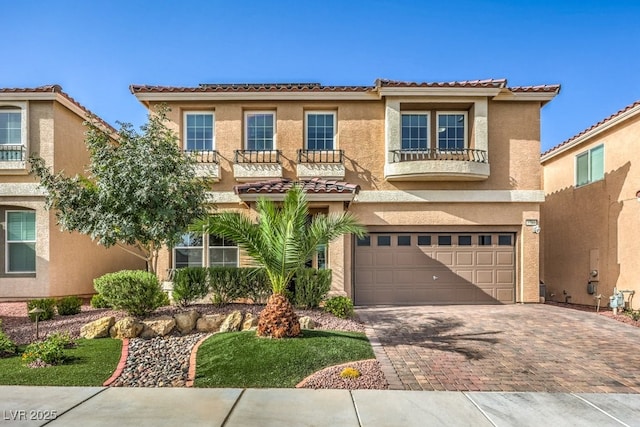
504 348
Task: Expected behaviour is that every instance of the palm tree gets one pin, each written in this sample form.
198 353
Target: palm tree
282 241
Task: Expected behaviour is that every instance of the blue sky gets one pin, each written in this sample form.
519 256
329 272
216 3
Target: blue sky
96 49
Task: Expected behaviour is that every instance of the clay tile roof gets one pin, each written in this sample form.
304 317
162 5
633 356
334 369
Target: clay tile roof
314 185
538 88
58 89
600 123
494 83
248 87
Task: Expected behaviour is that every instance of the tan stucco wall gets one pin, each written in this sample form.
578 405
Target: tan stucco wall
595 226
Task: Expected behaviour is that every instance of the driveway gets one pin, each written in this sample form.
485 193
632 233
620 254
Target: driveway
540 348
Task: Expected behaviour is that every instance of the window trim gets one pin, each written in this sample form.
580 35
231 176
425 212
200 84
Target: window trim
588 154
185 128
204 248
465 114
206 260
7 241
19 106
415 113
246 128
306 128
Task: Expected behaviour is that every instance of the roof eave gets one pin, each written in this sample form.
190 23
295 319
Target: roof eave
146 97
438 91
311 197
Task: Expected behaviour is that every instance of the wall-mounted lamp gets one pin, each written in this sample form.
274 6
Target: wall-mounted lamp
638 195
536 229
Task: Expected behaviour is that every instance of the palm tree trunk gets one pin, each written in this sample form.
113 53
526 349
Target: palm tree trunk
278 319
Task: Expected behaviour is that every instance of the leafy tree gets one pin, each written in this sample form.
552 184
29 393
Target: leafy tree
282 241
140 193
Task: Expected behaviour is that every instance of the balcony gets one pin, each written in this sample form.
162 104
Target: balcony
437 165
13 159
206 164
327 164
252 165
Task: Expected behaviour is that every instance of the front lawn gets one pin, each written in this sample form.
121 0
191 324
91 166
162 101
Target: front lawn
91 363
241 359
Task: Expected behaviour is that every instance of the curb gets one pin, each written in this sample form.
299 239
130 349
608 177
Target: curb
192 362
121 363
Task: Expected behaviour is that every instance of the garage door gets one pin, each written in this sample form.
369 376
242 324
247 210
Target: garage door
435 268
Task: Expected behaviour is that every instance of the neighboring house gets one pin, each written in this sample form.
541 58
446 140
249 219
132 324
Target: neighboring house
38 260
591 216
444 175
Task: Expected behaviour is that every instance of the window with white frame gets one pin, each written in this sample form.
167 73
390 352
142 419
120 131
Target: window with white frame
197 250
451 131
320 133
199 131
590 166
20 242
13 131
415 131
260 130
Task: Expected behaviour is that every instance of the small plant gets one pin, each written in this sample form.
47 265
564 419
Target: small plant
339 306
69 306
46 304
47 352
350 372
190 284
7 347
135 291
98 301
311 287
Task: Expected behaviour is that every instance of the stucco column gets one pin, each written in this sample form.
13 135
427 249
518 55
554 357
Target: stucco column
392 133
529 252
339 260
481 124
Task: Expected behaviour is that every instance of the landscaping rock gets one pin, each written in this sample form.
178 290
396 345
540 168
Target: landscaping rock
128 327
232 323
158 326
250 322
210 322
307 323
98 328
185 322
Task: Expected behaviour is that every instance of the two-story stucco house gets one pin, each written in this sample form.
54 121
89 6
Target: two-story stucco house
37 259
591 217
444 175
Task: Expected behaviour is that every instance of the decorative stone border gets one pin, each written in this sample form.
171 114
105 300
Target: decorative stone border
192 362
121 364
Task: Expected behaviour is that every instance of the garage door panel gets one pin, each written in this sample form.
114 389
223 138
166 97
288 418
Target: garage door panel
505 295
464 258
466 275
504 277
484 277
383 258
484 258
446 258
504 258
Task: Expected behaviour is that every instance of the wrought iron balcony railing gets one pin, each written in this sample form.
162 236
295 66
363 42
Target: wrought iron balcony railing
208 156
12 153
320 156
460 154
257 156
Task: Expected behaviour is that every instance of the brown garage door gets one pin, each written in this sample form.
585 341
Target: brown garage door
435 268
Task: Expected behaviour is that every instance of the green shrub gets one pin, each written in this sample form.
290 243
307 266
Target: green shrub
49 351
339 307
190 284
311 287
254 284
225 284
7 347
98 301
46 304
135 291
68 306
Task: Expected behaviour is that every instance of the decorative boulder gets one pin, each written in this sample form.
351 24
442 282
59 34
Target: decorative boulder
128 327
232 323
98 328
158 326
185 322
250 322
307 323
210 322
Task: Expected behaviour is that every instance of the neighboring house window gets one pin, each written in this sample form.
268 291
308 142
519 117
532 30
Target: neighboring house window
196 250
199 130
260 130
320 130
590 166
415 131
12 133
20 242
452 133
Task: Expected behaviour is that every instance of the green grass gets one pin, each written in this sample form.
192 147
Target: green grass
240 359
91 363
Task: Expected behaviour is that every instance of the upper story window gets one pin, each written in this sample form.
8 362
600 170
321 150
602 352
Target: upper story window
13 132
320 133
590 166
20 251
452 133
415 131
260 130
199 131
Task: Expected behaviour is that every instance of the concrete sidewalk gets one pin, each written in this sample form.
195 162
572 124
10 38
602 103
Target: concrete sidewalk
98 406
